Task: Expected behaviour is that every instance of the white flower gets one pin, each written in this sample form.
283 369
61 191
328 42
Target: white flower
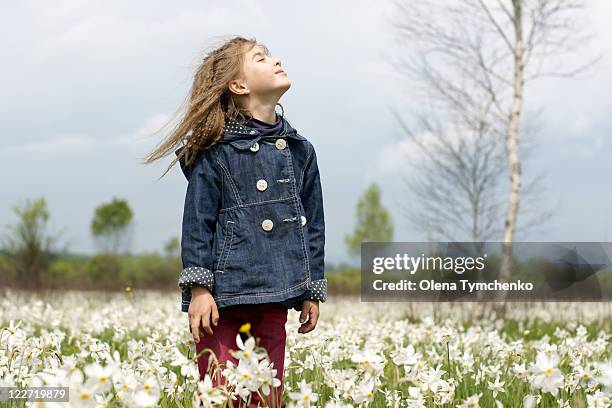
99 376
598 400
12 336
151 385
104 400
370 362
606 375
472 401
467 362
245 375
531 401
208 394
496 386
82 395
337 404
365 391
305 396
520 370
546 374
144 399
267 376
125 385
406 356
431 380
247 350
229 372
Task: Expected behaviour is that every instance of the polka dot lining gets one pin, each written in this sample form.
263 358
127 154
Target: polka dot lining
319 290
196 275
234 127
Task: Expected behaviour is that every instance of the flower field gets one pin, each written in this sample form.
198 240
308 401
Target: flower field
135 349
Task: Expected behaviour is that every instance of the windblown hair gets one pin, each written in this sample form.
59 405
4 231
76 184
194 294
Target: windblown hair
211 103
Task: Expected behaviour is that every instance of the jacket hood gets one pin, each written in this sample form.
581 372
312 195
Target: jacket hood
242 136
186 170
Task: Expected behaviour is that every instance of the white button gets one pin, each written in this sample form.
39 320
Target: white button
262 185
280 144
303 220
252 132
267 225
255 147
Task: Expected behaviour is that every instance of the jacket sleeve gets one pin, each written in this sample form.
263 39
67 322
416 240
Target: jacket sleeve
202 205
312 200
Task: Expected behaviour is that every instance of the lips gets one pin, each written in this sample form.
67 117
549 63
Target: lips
280 72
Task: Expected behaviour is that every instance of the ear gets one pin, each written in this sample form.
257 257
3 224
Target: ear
238 87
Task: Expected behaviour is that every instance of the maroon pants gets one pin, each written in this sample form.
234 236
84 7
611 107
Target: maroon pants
267 326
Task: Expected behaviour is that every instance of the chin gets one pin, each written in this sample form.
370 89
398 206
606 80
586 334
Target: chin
283 80
284 87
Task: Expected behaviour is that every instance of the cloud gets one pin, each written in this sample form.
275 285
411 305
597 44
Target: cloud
56 146
87 79
393 157
67 145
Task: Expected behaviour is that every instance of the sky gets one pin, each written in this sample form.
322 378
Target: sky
84 85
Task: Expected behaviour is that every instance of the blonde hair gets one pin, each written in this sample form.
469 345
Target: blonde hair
211 103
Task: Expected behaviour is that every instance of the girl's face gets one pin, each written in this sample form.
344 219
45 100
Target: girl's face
262 75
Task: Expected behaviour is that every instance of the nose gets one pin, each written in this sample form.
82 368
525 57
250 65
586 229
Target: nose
277 61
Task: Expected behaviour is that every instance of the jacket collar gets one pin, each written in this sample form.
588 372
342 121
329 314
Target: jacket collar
242 135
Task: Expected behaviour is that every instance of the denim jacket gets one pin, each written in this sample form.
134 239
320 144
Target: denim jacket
253 226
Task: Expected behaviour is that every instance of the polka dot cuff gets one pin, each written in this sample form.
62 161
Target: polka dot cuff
196 275
319 290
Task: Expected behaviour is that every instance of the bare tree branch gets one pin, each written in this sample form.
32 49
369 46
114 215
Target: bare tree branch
469 61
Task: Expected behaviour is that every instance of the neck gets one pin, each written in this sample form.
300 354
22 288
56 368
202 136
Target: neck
263 110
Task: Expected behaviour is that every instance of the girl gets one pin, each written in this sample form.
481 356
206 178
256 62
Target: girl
253 230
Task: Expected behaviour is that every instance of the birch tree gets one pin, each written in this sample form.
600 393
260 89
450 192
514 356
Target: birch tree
472 60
